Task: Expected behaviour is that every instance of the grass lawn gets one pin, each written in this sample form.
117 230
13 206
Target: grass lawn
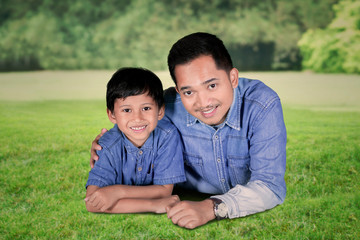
48 120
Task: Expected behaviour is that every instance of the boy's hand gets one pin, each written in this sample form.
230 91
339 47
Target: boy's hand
102 199
95 146
161 204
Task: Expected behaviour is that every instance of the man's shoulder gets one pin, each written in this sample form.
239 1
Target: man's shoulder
164 126
256 91
110 137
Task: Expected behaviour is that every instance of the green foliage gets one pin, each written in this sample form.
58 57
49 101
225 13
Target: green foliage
337 48
82 34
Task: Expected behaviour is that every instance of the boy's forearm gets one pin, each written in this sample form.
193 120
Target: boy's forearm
143 205
136 198
147 192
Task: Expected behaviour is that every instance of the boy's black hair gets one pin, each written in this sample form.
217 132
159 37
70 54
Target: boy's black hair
127 82
195 45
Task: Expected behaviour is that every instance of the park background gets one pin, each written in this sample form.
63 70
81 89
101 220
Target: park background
57 56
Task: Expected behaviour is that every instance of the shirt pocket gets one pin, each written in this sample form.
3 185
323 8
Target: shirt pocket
239 170
194 165
149 175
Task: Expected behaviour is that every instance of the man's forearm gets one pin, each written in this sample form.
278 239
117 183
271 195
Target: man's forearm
249 199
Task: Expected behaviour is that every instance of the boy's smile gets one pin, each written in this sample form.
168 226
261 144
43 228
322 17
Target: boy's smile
136 116
205 90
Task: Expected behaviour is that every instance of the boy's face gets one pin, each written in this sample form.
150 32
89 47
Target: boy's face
206 92
136 116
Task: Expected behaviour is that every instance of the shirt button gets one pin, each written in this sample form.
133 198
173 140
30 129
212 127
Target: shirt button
139 169
222 180
218 160
140 152
216 137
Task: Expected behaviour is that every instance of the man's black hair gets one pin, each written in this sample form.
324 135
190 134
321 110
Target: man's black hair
127 82
195 45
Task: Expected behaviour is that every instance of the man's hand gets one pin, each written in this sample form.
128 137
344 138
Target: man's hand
191 214
102 199
95 146
161 204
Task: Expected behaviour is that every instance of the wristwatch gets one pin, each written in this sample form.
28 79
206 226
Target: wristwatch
220 209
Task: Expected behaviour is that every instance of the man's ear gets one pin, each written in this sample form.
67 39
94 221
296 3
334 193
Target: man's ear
161 112
111 116
234 77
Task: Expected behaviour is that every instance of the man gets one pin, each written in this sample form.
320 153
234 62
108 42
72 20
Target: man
233 133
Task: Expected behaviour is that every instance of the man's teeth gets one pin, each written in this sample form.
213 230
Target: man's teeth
209 111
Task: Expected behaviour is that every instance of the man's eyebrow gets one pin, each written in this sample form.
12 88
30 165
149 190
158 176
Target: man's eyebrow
209 81
204 83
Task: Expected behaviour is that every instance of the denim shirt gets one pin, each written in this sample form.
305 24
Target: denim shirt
159 161
244 158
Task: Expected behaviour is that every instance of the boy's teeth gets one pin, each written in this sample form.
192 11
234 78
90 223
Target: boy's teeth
138 128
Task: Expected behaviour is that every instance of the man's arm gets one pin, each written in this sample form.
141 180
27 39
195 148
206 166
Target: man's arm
127 199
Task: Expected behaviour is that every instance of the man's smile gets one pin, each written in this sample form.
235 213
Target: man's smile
208 112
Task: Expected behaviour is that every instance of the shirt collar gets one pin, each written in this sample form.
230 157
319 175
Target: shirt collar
233 117
130 147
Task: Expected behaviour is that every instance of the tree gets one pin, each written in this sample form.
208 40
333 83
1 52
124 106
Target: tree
337 48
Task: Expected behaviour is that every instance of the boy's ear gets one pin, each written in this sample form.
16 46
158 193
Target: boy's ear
111 116
161 112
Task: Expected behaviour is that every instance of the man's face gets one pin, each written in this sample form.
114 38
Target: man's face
136 116
206 92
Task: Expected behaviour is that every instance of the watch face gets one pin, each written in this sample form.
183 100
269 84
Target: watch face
222 210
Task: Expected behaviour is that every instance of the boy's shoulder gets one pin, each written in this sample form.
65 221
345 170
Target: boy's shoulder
110 137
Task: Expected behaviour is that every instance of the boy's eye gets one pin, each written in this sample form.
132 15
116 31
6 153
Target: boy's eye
146 108
127 110
212 86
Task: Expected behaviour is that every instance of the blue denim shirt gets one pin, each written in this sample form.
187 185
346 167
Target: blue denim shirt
244 158
159 161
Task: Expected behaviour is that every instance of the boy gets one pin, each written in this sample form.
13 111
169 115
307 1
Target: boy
141 158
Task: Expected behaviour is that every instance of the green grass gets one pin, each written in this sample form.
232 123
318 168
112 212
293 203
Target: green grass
44 164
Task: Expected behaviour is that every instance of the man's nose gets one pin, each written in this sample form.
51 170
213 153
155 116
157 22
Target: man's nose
202 100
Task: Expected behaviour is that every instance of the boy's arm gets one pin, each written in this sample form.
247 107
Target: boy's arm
102 199
138 205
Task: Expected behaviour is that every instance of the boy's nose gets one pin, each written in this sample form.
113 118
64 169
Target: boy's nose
137 116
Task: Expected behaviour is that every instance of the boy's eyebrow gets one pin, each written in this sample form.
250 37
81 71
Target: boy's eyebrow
128 105
204 83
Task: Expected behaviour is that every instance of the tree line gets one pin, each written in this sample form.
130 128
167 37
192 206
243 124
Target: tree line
108 34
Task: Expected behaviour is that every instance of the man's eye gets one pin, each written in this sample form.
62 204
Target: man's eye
146 108
187 93
212 86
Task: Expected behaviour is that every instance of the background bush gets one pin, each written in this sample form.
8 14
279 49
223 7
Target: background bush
337 47
89 34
